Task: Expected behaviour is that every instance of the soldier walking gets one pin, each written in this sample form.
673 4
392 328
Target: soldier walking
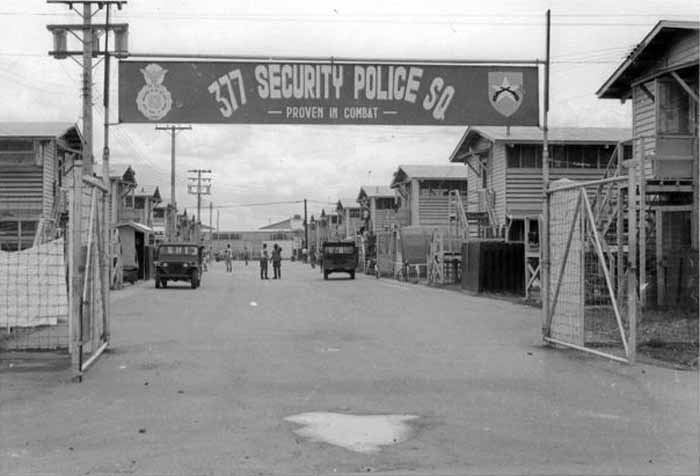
277 262
228 256
264 255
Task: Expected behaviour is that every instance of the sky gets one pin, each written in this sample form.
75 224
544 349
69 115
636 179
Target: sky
253 164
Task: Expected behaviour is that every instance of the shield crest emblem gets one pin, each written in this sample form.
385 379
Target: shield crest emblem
506 91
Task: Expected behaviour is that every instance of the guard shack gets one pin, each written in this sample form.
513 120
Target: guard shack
660 78
504 177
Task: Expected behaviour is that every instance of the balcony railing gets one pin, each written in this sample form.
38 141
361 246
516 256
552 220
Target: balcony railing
132 214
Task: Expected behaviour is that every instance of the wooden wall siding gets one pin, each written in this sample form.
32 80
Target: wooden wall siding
48 151
524 186
644 119
21 190
434 209
497 181
384 219
473 186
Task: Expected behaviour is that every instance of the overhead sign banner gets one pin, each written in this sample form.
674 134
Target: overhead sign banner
211 92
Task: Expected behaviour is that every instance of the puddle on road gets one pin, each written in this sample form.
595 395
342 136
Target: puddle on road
360 433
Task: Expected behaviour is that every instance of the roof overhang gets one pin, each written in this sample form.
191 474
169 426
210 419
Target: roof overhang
463 149
648 52
136 226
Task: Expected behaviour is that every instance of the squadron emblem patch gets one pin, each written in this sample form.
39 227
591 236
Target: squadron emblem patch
154 100
506 92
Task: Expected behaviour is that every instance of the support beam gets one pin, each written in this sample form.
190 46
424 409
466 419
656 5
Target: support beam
660 272
685 86
648 93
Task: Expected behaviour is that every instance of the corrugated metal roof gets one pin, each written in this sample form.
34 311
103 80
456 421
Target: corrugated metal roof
146 191
617 85
531 134
349 203
377 191
136 226
433 171
612 135
35 129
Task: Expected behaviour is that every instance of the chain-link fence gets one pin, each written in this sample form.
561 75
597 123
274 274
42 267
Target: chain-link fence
52 296
34 298
388 253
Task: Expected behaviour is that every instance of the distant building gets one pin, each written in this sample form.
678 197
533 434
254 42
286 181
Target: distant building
424 192
350 217
504 170
295 222
379 204
288 233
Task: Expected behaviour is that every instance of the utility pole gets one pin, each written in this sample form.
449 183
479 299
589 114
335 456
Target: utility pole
306 227
545 264
195 187
172 213
87 35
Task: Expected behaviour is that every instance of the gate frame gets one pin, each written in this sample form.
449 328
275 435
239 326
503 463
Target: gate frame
593 234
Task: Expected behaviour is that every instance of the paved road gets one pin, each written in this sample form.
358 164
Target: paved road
209 375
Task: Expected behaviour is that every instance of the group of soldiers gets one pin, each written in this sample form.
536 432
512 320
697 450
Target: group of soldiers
265 256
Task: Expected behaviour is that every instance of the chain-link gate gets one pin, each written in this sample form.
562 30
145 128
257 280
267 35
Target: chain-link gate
590 271
89 337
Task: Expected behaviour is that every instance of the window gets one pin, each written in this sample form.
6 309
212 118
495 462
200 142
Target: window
278 236
158 213
355 213
178 250
16 146
18 152
520 156
139 203
17 235
340 249
674 109
385 203
580 156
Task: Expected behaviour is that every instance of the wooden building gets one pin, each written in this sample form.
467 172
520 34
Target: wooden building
660 78
350 217
504 170
35 160
425 192
136 234
379 207
122 183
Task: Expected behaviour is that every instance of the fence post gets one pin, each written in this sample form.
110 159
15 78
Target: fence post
642 244
632 257
620 226
75 258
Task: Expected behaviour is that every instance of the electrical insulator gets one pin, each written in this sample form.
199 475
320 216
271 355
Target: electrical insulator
60 44
121 42
95 36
